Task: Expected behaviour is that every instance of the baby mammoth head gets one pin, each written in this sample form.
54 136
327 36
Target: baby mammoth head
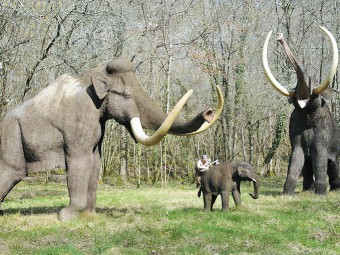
246 172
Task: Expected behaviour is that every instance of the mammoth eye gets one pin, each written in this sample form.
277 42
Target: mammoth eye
110 69
127 92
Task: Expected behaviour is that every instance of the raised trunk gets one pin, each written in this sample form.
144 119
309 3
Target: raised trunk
304 86
302 90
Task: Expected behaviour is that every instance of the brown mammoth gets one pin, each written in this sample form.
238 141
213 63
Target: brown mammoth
313 131
224 178
63 126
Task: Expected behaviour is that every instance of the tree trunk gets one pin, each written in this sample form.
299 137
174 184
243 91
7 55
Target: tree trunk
123 171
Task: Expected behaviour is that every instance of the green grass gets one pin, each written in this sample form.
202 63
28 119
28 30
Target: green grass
152 220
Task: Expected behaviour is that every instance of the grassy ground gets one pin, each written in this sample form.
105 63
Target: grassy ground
153 220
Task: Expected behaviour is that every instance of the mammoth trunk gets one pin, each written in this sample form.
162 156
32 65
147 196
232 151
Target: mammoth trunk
255 194
152 117
141 137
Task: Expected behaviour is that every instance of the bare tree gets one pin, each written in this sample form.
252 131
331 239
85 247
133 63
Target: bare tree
176 45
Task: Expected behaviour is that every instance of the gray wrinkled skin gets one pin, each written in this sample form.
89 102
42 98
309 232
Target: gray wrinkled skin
63 127
314 135
315 140
225 178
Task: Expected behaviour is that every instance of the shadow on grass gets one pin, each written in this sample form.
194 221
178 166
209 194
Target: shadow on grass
273 193
109 211
119 212
33 210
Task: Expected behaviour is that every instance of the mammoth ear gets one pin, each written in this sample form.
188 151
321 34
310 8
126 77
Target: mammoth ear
99 84
242 170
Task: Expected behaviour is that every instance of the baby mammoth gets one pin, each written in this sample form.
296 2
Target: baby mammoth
225 178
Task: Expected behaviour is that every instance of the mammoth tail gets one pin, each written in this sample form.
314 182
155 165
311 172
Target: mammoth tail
199 192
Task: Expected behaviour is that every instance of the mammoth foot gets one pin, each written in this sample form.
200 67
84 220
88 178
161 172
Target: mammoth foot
68 213
320 188
89 213
335 185
335 188
288 193
309 187
1 212
225 209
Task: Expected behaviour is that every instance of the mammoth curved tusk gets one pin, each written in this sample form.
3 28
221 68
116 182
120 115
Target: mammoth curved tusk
217 114
329 77
269 74
146 140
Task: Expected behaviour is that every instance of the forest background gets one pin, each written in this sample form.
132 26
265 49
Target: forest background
175 45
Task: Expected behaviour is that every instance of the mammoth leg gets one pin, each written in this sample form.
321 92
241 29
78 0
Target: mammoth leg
225 200
79 170
296 163
320 162
9 177
236 192
198 181
12 160
207 198
213 199
93 183
307 173
333 174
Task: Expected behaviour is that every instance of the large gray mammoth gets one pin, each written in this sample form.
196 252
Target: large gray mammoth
313 131
224 178
63 127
